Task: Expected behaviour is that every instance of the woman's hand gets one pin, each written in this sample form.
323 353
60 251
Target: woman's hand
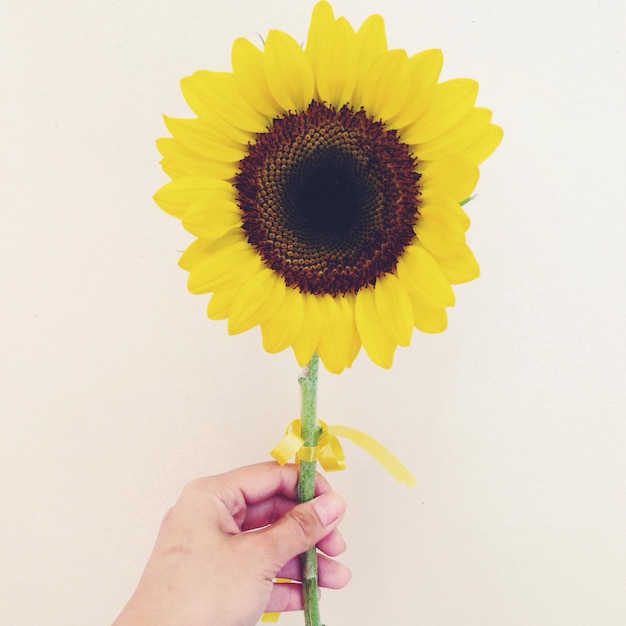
224 542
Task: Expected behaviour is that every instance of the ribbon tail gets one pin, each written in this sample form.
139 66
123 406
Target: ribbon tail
273 616
390 462
270 617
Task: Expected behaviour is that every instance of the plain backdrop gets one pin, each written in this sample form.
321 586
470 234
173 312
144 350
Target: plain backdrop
116 390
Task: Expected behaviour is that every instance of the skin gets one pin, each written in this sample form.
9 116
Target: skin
207 567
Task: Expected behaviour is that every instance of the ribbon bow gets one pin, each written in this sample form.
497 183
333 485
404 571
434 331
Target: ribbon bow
330 453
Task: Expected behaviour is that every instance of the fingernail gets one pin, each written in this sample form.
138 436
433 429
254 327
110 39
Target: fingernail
329 507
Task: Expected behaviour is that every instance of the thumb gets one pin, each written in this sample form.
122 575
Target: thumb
303 527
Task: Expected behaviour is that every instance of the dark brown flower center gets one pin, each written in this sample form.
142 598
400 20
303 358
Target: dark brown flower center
329 199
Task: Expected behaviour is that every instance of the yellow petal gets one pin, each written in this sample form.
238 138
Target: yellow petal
220 304
225 266
447 210
334 60
371 39
483 147
377 343
281 330
288 72
439 237
371 42
176 196
427 319
194 253
336 344
258 299
460 267
249 75
422 277
451 176
425 68
394 307
215 94
322 23
176 156
172 171
312 327
356 343
226 132
211 217
195 136
386 85
459 138
451 102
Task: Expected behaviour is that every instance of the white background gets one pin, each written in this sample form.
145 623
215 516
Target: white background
116 390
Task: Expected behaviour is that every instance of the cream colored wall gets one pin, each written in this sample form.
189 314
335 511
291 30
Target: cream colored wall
115 389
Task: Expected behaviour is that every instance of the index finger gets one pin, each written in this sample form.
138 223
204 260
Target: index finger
253 484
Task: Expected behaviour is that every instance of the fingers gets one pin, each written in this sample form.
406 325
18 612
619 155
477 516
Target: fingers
333 544
257 495
285 597
288 596
264 480
267 512
331 574
299 529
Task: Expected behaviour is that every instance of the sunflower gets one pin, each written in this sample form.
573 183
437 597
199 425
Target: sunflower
324 185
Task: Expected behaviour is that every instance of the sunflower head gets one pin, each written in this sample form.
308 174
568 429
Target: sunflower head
324 187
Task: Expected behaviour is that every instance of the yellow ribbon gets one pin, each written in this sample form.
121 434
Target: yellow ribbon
273 617
330 453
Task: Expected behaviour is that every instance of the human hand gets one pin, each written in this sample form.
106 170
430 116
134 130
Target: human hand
206 569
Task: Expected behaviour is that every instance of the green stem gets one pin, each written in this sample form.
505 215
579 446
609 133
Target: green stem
310 432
